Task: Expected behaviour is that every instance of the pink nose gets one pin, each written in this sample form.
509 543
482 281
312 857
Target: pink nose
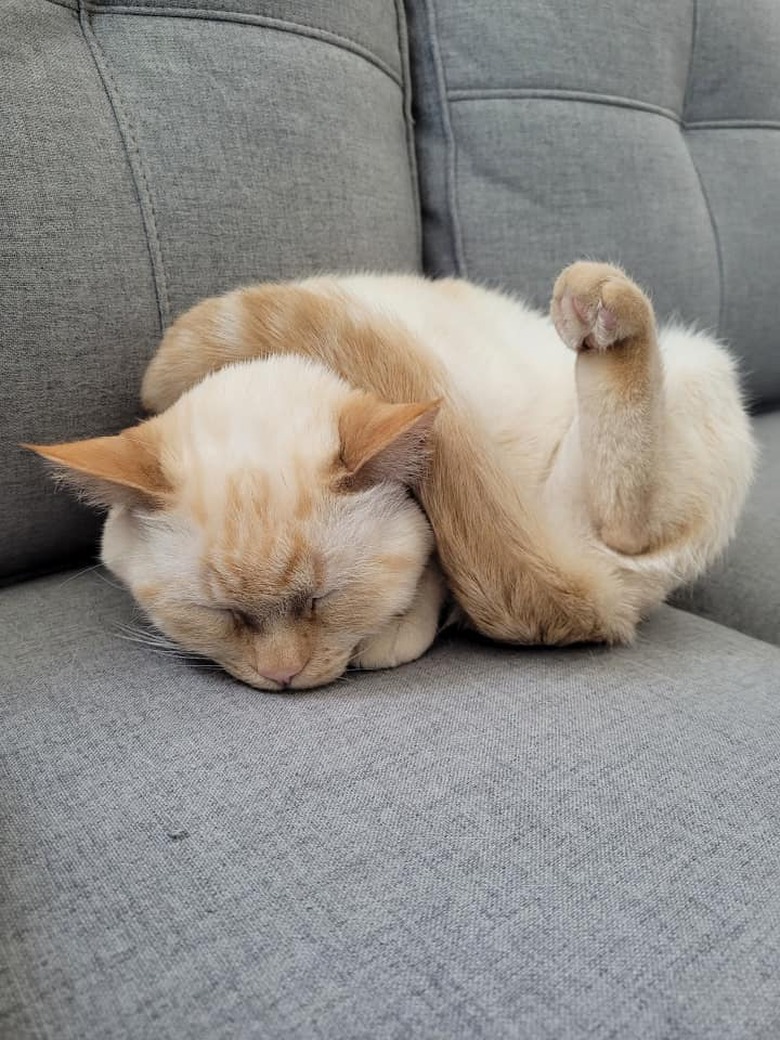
283 676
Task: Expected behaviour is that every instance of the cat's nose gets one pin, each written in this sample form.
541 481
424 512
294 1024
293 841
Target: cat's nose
283 676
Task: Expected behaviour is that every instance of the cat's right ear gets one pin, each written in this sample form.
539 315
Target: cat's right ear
120 470
383 442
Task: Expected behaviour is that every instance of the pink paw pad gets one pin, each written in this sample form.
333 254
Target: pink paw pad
607 319
581 309
599 323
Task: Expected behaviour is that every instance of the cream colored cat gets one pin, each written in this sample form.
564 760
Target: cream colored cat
263 517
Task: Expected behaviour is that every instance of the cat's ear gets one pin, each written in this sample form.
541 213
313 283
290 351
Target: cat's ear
385 442
107 471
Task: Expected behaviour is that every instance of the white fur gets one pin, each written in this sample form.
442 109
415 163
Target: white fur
509 367
504 367
273 426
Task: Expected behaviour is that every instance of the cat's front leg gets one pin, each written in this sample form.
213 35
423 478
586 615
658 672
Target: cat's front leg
607 319
407 637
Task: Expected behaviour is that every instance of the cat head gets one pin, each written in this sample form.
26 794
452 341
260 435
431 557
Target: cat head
264 520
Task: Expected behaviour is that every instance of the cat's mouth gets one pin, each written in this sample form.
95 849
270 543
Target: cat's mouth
312 676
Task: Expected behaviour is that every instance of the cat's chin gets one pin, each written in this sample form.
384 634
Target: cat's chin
308 679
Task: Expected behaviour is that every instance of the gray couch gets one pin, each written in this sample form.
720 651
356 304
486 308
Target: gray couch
490 842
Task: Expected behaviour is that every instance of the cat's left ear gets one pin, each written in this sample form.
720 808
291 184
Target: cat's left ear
107 471
385 442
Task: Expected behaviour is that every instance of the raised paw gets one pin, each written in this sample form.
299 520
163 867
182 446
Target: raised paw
595 306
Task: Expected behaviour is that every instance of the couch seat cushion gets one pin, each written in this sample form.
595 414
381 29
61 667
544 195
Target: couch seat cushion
487 843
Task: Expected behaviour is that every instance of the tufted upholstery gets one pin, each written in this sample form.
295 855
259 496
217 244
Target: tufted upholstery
646 133
488 843
156 153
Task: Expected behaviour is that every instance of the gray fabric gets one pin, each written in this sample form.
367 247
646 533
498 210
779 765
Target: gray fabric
154 155
743 591
488 843
77 310
368 26
641 133
735 74
296 150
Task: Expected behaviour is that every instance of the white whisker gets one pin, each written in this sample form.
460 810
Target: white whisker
79 574
107 581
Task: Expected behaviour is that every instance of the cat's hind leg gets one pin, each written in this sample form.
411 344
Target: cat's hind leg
660 440
607 319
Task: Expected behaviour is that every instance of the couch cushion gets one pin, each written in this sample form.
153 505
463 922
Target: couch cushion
641 133
743 590
488 843
154 154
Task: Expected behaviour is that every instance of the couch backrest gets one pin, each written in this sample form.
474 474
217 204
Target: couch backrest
156 152
645 133
152 154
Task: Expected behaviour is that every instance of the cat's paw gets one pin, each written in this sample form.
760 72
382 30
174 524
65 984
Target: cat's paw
407 637
596 306
401 641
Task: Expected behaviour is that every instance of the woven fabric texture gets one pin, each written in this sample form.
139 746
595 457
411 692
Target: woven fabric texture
153 154
645 134
488 843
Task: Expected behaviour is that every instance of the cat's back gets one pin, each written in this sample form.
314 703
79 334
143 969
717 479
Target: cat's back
451 317
502 358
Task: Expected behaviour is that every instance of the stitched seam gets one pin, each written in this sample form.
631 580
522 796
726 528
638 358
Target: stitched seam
137 170
710 214
691 56
450 165
543 93
403 53
734 124
279 24
552 94
716 237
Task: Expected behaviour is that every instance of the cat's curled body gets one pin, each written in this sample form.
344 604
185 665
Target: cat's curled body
568 490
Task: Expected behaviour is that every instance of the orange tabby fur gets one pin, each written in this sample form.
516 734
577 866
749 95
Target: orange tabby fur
567 492
491 550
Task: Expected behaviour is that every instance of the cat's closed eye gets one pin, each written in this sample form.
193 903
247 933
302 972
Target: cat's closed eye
244 620
307 606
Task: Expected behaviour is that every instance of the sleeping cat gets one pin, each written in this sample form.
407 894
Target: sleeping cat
323 451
